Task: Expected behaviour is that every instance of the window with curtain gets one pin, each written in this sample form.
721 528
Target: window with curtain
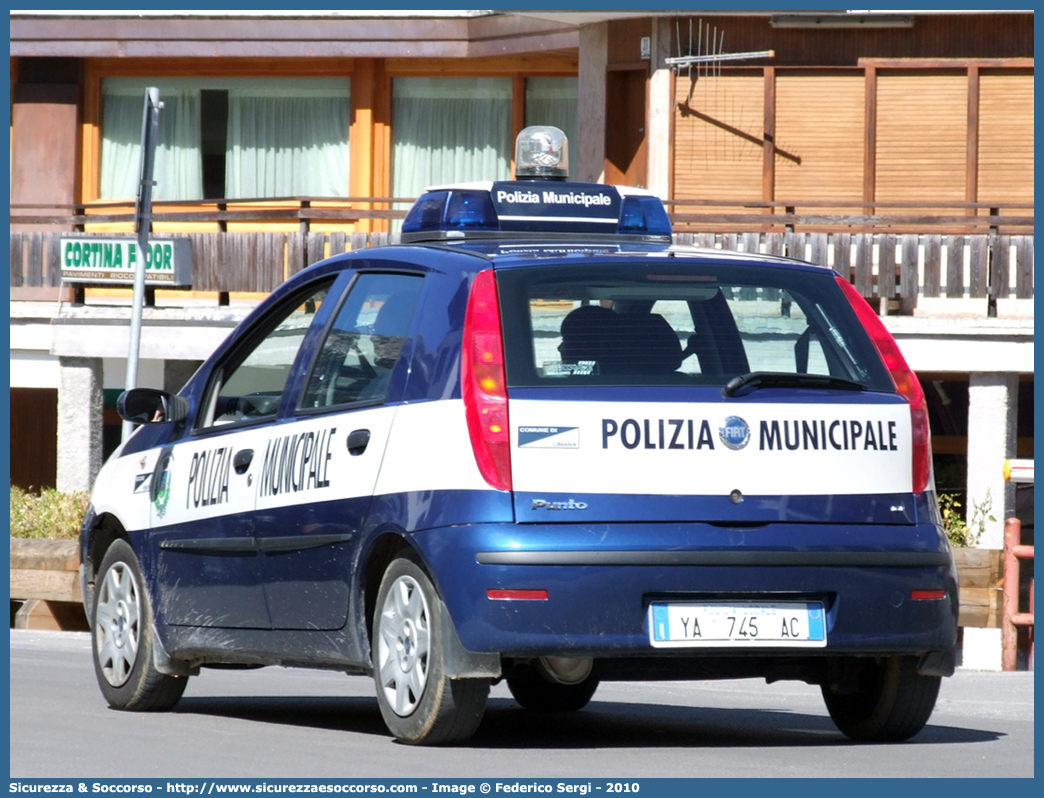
178 167
287 142
239 138
449 130
553 101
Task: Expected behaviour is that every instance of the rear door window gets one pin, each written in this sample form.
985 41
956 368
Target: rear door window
355 362
647 324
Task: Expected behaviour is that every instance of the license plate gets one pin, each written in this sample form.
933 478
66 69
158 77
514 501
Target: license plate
770 624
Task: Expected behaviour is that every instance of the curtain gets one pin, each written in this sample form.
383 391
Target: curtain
554 101
449 130
178 169
286 142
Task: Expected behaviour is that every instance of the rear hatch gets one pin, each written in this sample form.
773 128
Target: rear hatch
681 389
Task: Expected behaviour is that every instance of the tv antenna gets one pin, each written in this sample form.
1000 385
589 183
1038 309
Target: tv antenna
706 51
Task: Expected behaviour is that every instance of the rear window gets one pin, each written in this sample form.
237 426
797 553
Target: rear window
651 324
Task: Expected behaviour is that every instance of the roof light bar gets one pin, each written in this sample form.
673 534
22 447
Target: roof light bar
537 210
538 203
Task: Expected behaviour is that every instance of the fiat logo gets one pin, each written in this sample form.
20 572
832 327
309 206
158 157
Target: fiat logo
735 433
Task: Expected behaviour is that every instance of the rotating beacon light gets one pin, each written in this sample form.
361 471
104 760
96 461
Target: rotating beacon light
541 153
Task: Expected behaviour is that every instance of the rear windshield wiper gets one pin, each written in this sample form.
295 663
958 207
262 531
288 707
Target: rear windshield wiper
742 385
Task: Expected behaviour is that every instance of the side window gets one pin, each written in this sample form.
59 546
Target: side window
249 386
361 348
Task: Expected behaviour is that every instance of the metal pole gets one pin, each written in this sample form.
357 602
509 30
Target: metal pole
1010 595
142 223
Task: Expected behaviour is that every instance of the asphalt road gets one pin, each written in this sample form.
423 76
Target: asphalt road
277 722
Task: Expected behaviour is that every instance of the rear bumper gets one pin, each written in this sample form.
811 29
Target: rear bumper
601 578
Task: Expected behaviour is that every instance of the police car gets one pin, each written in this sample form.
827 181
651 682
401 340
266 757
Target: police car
535 442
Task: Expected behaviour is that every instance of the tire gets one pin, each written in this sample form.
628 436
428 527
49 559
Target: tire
419 704
535 693
894 705
122 638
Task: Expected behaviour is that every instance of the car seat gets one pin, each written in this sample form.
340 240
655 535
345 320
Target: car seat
649 345
590 333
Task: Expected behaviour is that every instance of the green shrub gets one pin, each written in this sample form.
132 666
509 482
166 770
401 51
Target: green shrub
960 533
49 515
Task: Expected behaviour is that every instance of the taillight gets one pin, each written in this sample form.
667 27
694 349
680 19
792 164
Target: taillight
483 384
905 380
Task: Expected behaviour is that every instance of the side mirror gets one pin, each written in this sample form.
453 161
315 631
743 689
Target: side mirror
151 406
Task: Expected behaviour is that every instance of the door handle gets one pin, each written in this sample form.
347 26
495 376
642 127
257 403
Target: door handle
241 462
357 442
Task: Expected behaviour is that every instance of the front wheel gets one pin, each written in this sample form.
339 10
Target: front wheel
893 704
123 638
419 704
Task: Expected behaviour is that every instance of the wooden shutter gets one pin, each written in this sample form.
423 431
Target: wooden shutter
922 136
1006 136
714 154
820 119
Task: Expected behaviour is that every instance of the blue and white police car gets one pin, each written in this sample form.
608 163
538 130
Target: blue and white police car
534 442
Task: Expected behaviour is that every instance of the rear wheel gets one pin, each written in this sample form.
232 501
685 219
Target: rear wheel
536 693
419 704
123 638
893 704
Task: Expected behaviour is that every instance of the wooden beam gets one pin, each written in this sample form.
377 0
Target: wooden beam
45 554
534 44
785 202
220 67
768 161
90 136
971 178
670 139
979 577
54 616
978 567
382 144
870 137
361 131
529 65
228 30
946 63
46 585
518 113
879 222
980 607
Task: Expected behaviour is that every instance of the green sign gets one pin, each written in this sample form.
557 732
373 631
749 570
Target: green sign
93 259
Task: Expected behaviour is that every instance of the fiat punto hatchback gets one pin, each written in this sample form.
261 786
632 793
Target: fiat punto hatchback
534 442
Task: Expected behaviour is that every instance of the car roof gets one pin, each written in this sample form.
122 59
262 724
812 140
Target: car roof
520 252
517 252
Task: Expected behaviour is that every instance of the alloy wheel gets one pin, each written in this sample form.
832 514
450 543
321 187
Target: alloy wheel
117 624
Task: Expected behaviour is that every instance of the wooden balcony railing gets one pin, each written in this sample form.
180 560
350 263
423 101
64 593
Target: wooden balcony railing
704 215
853 216
976 256
206 214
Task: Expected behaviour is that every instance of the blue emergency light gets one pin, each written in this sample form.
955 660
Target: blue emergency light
538 203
